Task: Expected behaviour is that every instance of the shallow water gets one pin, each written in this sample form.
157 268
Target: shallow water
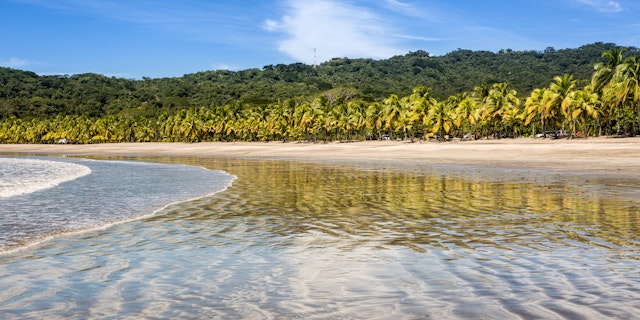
297 240
46 197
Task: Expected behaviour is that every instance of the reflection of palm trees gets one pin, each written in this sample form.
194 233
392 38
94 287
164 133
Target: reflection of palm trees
347 203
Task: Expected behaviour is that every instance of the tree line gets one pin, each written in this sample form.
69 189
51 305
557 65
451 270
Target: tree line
28 95
606 103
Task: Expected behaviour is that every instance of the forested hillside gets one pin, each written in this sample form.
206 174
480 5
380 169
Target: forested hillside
589 91
26 94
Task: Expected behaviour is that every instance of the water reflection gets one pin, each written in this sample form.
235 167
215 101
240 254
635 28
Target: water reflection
296 240
415 209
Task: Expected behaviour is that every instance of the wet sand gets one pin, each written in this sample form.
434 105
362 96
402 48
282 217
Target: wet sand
608 156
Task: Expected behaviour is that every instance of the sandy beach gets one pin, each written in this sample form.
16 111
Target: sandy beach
609 156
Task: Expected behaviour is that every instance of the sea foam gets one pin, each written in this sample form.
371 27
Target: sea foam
20 176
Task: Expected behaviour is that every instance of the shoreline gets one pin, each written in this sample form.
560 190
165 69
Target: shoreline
601 156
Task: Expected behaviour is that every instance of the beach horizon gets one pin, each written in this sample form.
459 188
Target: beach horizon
608 156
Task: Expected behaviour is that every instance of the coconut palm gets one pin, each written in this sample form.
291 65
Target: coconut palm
392 111
604 71
278 121
536 108
501 98
465 112
605 87
420 104
563 88
626 85
441 119
357 114
375 119
585 107
407 122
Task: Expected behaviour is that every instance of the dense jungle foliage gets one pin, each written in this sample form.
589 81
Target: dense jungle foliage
591 90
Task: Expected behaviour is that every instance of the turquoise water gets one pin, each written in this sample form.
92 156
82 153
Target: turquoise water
298 240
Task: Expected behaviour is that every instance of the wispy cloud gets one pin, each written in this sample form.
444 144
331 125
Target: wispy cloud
334 29
226 67
403 8
15 62
419 38
606 6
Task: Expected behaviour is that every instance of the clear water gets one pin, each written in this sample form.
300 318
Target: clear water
293 240
40 198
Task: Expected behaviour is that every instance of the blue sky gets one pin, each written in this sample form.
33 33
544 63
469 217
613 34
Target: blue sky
162 38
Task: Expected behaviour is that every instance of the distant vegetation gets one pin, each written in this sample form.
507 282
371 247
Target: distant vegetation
591 90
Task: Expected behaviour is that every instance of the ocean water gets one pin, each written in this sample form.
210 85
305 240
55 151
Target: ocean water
292 240
44 197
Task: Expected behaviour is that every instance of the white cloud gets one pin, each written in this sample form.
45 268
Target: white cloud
606 6
402 7
334 29
411 37
271 25
15 62
226 67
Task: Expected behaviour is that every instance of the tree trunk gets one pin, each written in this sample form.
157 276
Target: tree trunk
619 120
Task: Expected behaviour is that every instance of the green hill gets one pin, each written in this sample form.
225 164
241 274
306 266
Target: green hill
26 95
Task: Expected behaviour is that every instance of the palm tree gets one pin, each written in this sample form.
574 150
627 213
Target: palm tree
128 130
331 124
392 111
375 119
441 119
357 114
280 119
481 94
626 86
36 130
563 90
511 119
585 107
314 117
501 98
604 71
536 107
420 104
465 112
406 123
604 86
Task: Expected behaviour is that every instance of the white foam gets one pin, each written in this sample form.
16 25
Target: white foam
20 176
